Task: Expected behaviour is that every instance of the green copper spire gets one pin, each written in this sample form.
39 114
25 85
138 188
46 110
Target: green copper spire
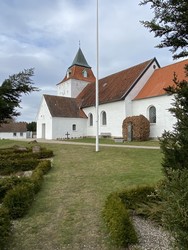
80 60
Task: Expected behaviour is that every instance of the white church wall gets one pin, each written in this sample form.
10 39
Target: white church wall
115 113
76 87
71 88
164 119
64 89
140 84
44 122
68 127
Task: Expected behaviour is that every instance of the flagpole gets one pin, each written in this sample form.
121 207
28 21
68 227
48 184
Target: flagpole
97 81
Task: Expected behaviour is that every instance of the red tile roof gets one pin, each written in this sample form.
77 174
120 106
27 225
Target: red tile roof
13 127
114 87
60 106
162 78
76 72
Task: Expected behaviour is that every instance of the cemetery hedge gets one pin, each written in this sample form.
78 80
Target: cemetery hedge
17 193
119 208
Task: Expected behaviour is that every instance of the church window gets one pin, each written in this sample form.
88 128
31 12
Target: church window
103 118
68 73
152 114
90 119
84 73
74 127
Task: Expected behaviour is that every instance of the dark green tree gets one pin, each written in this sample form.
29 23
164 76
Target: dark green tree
174 144
11 91
32 126
170 23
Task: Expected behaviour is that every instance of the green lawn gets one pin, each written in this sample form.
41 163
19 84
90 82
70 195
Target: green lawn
154 143
66 213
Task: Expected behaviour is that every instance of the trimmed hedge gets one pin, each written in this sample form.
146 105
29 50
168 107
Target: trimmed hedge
18 200
9 183
5 227
143 200
118 221
12 166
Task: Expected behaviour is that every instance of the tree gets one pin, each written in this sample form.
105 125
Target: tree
31 126
171 24
11 91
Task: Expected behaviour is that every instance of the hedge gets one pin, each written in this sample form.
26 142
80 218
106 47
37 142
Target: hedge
12 166
9 183
5 227
118 221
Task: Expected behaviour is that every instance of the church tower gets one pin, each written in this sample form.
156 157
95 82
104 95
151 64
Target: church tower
77 77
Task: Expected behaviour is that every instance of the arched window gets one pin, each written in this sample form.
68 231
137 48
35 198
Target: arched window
103 118
90 119
74 127
152 114
84 73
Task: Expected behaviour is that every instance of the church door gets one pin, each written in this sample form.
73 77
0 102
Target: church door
43 131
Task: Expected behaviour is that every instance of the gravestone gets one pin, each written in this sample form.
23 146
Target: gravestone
130 132
36 149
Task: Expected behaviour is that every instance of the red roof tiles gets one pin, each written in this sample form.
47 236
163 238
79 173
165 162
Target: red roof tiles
60 106
113 87
76 72
162 78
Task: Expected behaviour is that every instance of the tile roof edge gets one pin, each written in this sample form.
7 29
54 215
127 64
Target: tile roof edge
140 75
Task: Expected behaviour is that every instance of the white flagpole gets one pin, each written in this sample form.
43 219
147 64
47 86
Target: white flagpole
97 82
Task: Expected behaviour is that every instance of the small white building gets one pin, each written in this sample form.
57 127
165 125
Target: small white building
133 91
14 130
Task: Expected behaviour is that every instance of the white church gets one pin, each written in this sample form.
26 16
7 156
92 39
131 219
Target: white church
138 90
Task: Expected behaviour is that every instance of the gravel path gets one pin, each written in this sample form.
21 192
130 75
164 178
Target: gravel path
151 237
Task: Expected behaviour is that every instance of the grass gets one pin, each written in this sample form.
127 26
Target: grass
66 214
154 143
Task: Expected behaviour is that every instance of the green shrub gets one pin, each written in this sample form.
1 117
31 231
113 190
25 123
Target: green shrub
19 199
13 166
118 221
5 227
9 183
140 194
175 202
45 166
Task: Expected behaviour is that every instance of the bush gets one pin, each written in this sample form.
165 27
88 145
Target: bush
135 196
118 221
5 227
175 202
12 166
19 199
7 184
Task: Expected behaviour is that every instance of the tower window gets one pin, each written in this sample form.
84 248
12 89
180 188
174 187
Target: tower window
84 73
68 73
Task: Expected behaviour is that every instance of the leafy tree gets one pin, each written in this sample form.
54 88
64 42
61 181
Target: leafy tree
170 23
11 91
31 126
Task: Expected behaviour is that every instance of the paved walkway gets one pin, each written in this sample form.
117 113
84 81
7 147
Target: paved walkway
92 144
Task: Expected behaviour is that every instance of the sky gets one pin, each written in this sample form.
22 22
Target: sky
45 35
